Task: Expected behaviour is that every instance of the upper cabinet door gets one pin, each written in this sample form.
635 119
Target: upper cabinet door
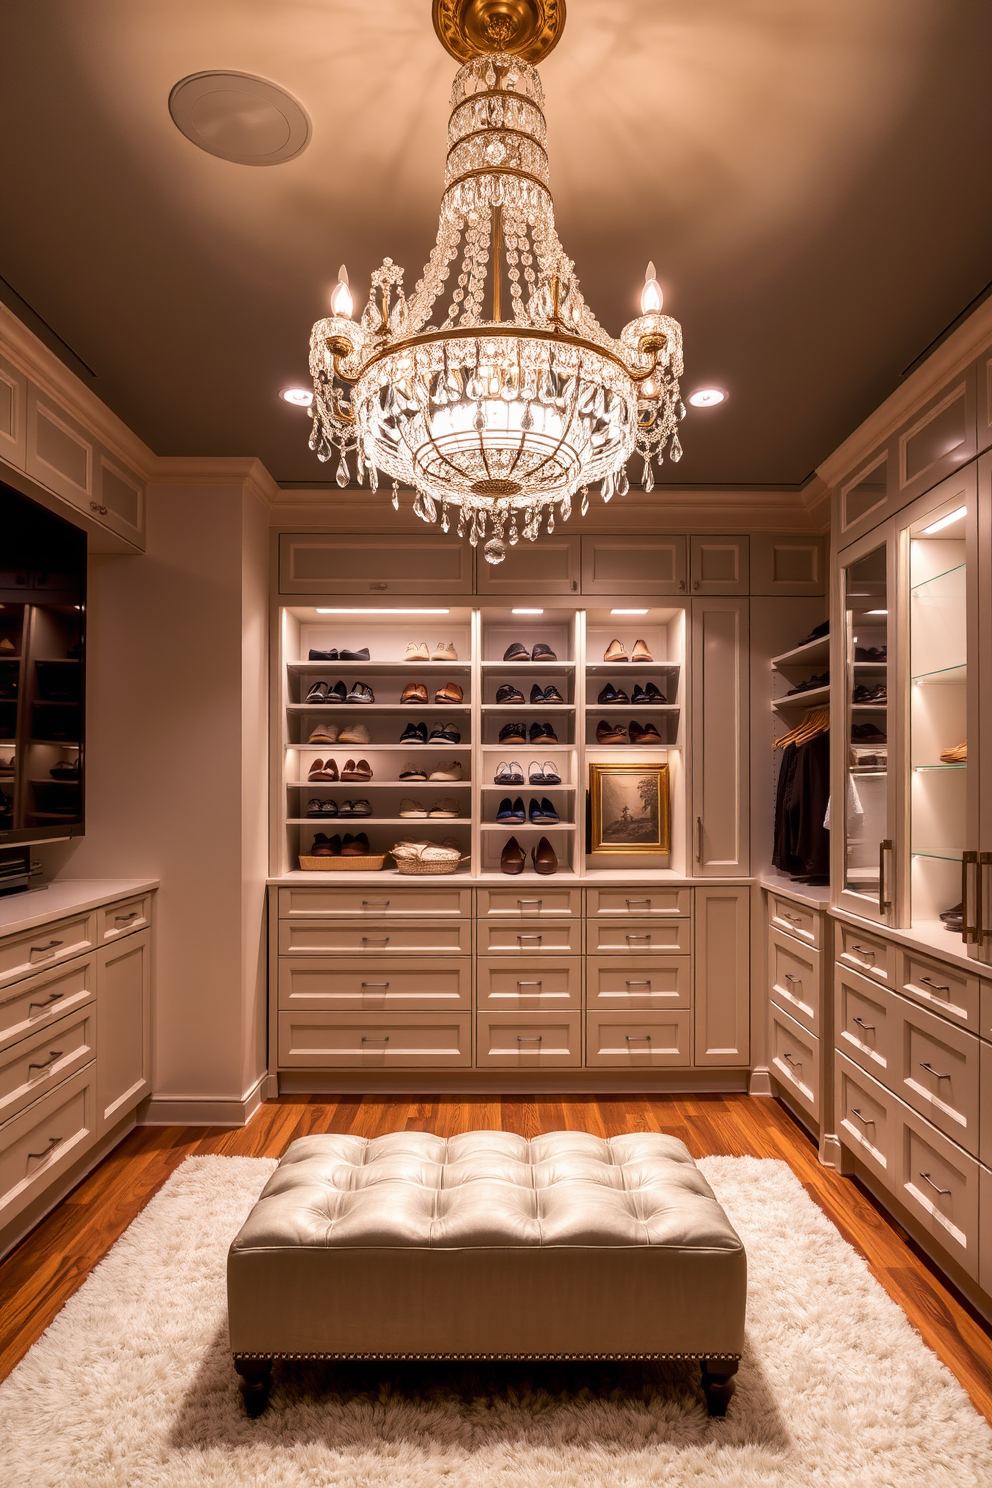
552 565
865 497
633 565
720 755
13 414
381 563
983 378
718 565
788 564
60 452
119 500
937 439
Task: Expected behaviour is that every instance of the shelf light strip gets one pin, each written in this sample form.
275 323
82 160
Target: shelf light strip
942 522
322 611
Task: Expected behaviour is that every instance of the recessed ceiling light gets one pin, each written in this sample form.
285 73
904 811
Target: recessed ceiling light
707 397
942 522
300 397
628 612
240 118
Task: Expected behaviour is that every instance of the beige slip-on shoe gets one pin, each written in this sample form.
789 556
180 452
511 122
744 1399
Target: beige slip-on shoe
615 652
417 651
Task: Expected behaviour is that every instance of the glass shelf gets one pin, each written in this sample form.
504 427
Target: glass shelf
920 769
944 854
943 676
925 583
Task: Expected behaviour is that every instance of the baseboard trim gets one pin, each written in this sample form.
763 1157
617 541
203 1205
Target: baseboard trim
200 1110
500 1082
831 1151
760 1083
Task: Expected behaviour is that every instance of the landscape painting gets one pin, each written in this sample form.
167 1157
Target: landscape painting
630 809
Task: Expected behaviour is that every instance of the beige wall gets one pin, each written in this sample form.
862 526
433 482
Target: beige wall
177 778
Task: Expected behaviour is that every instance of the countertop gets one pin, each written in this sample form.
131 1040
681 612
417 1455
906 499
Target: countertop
65 896
602 878
813 896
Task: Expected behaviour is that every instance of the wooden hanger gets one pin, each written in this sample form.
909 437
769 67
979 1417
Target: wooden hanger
817 721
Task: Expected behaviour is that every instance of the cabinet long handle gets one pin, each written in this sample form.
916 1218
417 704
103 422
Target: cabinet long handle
522 902
969 930
629 938
377 985
45 950
53 997
637 1038
934 986
52 1143
925 1064
868 1027
884 902
123 919
792 1063
375 940
530 1038
866 1119
631 902
935 1186
638 982
55 1054
796 981
699 839
377 903
522 938
981 934
537 983
383 1040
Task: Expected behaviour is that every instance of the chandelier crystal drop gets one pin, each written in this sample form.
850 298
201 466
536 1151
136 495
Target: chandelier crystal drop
493 389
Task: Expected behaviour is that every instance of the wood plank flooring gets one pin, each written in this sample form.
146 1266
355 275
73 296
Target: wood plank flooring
43 1272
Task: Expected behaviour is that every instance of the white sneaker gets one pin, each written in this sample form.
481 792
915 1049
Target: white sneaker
447 772
409 807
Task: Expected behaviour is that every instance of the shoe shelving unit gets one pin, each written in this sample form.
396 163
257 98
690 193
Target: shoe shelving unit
481 636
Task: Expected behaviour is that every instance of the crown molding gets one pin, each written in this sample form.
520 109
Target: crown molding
945 362
216 470
42 367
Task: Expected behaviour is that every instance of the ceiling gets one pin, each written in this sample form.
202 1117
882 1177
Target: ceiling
810 179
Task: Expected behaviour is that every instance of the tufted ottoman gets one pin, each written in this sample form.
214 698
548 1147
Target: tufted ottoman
487 1246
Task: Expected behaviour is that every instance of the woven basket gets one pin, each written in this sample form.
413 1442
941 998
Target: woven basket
372 864
417 869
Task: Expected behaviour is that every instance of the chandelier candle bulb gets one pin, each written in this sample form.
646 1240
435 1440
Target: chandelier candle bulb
506 418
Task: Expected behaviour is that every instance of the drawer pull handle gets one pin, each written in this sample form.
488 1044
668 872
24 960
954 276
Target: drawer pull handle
377 903
53 1142
374 984
934 986
637 1038
530 984
797 981
45 950
631 902
53 997
123 919
868 1027
864 951
521 938
55 1054
522 902
530 1038
925 1064
792 919
866 1119
375 940
936 1187
792 1063
638 982
383 1040
637 937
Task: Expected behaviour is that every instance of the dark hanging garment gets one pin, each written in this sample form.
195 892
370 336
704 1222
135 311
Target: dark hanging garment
812 791
781 856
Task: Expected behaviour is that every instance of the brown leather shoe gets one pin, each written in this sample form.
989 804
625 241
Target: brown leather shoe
610 733
414 692
615 652
641 652
545 859
513 857
325 847
360 771
644 733
449 693
323 770
355 847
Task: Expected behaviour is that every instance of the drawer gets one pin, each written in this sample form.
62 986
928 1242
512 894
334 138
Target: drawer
794 919
440 902
548 938
944 989
863 1028
795 1060
374 1041
44 1139
626 1041
866 1117
865 952
660 983
528 904
505 986
421 986
535 1041
33 1005
794 979
115 920
985 1229
936 1070
938 1184
366 938
637 937
985 1011
985 1111
639 902
20 955
30 1068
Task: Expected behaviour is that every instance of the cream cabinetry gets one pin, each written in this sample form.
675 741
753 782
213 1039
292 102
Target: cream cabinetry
799 1007
720 755
721 972
13 414
75 1038
633 565
719 565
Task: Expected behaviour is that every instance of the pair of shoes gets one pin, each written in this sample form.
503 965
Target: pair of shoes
518 652
877 694
867 733
64 770
340 847
335 655
452 771
615 733
871 653
539 811
512 773
516 733
809 684
615 651
416 692
823 629
443 651
441 733
445 808
956 756
513 858
317 807
642 695
327 770
323 692
548 694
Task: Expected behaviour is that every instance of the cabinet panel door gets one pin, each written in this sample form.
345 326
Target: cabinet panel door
719 565
985 1230
629 565
401 563
722 975
60 453
13 414
123 1020
788 564
720 746
983 376
937 439
119 498
551 566
865 496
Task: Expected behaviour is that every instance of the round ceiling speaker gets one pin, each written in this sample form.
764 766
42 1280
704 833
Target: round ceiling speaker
239 117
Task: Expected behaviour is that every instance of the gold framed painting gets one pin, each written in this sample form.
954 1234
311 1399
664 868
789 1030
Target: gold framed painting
631 812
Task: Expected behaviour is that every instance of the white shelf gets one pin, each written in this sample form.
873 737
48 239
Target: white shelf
527 826
379 668
632 708
623 668
400 708
348 748
505 788
527 666
526 745
805 655
392 784
802 699
379 821
534 708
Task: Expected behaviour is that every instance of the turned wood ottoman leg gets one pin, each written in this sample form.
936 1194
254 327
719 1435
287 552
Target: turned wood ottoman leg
719 1384
255 1382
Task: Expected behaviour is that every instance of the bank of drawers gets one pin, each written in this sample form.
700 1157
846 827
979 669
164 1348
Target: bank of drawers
796 934
385 980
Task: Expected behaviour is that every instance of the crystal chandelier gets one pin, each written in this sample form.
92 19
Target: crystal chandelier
492 391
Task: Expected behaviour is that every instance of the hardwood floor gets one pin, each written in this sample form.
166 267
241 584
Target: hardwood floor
39 1276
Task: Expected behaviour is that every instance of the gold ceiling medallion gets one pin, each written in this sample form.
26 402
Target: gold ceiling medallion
522 28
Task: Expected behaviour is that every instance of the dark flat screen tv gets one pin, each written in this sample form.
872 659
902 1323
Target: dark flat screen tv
42 673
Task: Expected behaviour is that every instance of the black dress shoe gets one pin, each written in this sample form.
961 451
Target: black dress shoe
445 733
536 695
516 652
552 695
511 811
337 694
414 733
331 655
513 733
611 694
541 652
542 733
513 857
649 694
542 812
509 694
362 655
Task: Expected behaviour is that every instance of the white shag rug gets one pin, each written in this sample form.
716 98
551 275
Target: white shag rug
132 1385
